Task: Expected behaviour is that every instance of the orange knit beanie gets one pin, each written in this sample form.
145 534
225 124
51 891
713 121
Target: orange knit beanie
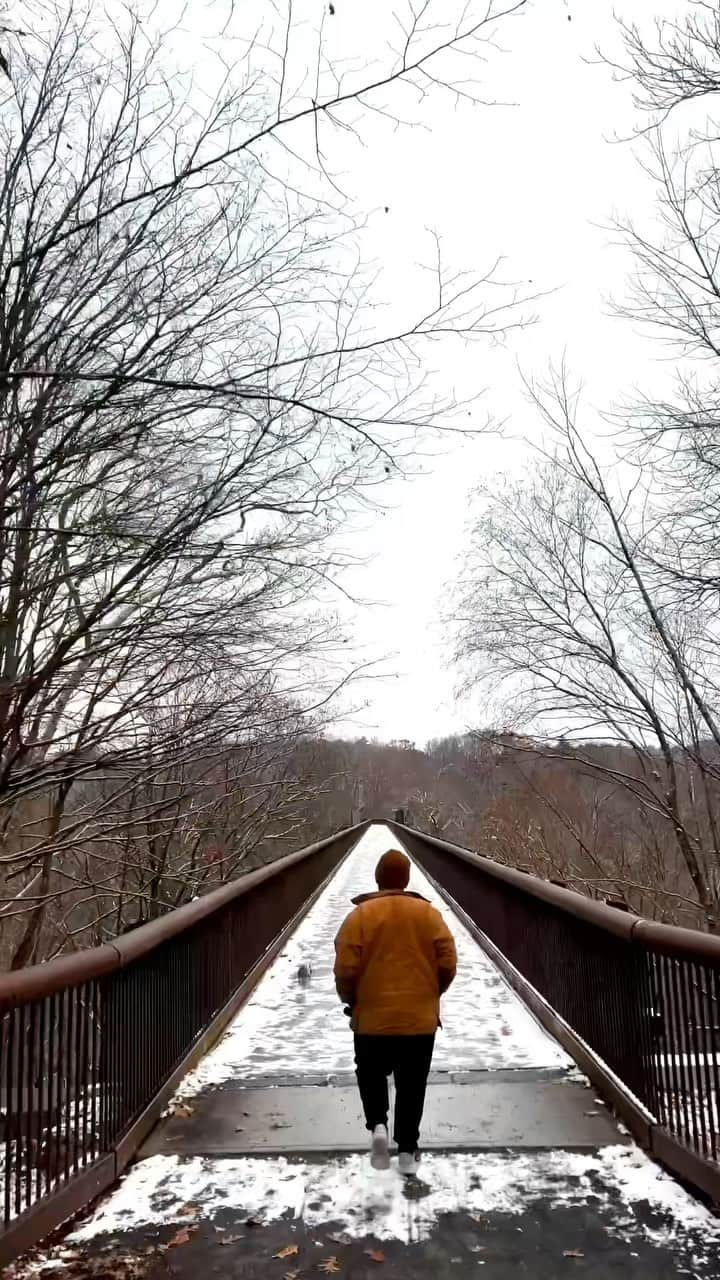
393 870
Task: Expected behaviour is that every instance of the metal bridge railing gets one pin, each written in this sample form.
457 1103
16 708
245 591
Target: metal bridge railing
637 1004
93 1044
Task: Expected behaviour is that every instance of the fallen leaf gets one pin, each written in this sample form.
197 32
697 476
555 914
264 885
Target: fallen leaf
232 1239
572 1253
181 1237
189 1211
330 1266
185 1111
290 1251
375 1255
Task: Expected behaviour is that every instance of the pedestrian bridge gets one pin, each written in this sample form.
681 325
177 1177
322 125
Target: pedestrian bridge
182 1102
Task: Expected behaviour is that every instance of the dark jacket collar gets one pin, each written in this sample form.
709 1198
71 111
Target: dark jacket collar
387 893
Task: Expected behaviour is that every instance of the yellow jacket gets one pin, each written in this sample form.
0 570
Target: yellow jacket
394 957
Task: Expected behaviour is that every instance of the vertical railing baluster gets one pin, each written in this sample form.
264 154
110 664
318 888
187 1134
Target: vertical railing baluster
21 1094
42 1087
113 1057
712 979
697 1102
104 1006
32 1098
127 1053
12 1112
699 981
658 1039
78 1126
53 1122
66 1141
672 1057
93 1074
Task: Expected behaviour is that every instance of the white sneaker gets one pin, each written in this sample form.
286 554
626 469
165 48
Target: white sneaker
408 1163
379 1153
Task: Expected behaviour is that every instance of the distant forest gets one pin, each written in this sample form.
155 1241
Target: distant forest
592 816
609 820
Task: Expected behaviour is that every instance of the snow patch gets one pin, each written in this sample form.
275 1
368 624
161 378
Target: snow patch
292 1028
346 1192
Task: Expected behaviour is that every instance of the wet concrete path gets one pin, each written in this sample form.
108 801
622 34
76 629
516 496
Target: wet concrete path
260 1169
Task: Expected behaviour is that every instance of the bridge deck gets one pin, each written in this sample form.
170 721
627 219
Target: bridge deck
263 1152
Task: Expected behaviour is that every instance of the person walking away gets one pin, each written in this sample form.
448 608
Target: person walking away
394 958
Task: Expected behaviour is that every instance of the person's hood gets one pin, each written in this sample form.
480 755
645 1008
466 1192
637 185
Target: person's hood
386 893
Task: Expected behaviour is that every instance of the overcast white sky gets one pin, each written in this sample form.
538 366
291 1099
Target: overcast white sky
537 182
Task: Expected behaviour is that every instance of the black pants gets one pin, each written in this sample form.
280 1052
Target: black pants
408 1059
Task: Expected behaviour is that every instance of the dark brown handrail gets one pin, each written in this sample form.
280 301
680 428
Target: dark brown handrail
690 944
40 980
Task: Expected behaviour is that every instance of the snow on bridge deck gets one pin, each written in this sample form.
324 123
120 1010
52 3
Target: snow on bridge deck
524 1172
290 1030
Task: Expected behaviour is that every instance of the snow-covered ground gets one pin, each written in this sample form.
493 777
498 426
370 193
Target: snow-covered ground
347 1192
288 1028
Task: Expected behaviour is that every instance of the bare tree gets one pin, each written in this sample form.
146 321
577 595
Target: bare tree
593 589
566 599
193 390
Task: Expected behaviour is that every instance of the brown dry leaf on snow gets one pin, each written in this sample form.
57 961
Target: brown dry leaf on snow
290 1251
375 1255
330 1266
572 1253
181 1237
